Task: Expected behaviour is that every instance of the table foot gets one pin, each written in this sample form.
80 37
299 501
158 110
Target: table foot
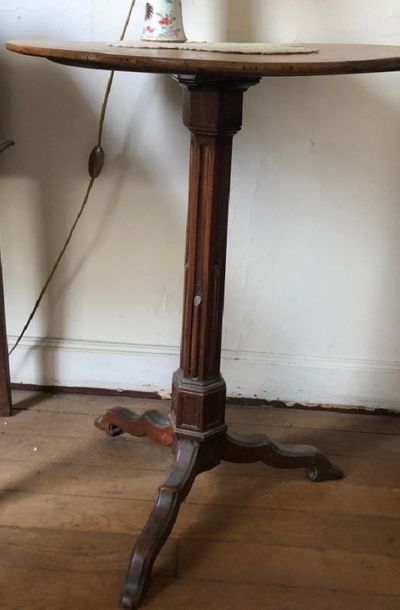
152 424
189 461
259 448
192 457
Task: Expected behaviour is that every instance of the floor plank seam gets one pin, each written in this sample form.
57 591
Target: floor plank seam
118 498
255 425
288 586
178 539
247 535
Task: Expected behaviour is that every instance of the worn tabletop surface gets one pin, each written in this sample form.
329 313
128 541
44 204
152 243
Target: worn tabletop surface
331 59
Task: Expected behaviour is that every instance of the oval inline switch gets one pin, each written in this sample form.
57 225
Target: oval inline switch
96 161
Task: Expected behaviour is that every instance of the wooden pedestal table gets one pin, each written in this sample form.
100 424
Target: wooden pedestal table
214 84
5 391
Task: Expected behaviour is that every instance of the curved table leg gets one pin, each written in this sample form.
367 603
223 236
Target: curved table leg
152 424
213 114
259 448
161 521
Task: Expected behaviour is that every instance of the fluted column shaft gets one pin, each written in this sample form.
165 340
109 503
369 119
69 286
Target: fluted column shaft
213 114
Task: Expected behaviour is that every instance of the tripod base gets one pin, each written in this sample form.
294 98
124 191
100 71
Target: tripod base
193 457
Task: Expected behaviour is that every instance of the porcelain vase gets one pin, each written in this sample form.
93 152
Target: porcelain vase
163 21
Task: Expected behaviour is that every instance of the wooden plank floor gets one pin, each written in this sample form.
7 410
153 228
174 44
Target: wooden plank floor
249 537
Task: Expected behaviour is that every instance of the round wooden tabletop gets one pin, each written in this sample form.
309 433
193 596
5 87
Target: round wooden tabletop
330 59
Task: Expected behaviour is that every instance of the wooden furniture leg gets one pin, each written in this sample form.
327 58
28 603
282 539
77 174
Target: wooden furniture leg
196 430
247 449
152 424
191 459
5 391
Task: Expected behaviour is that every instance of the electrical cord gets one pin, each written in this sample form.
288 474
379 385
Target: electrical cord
96 163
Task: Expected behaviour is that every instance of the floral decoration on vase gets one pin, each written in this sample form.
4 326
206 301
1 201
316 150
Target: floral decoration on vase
163 21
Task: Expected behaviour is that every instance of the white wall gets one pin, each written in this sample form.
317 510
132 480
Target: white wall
313 286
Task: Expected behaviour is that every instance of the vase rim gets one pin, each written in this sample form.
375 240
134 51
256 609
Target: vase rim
163 39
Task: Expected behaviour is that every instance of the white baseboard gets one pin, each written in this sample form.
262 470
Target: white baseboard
148 368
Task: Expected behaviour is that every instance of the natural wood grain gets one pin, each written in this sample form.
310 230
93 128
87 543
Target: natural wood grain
293 567
311 419
304 527
153 424
333 442
213 488
196 430
5 391
198 435
271 540
187 464
331 59
76 591
102 549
